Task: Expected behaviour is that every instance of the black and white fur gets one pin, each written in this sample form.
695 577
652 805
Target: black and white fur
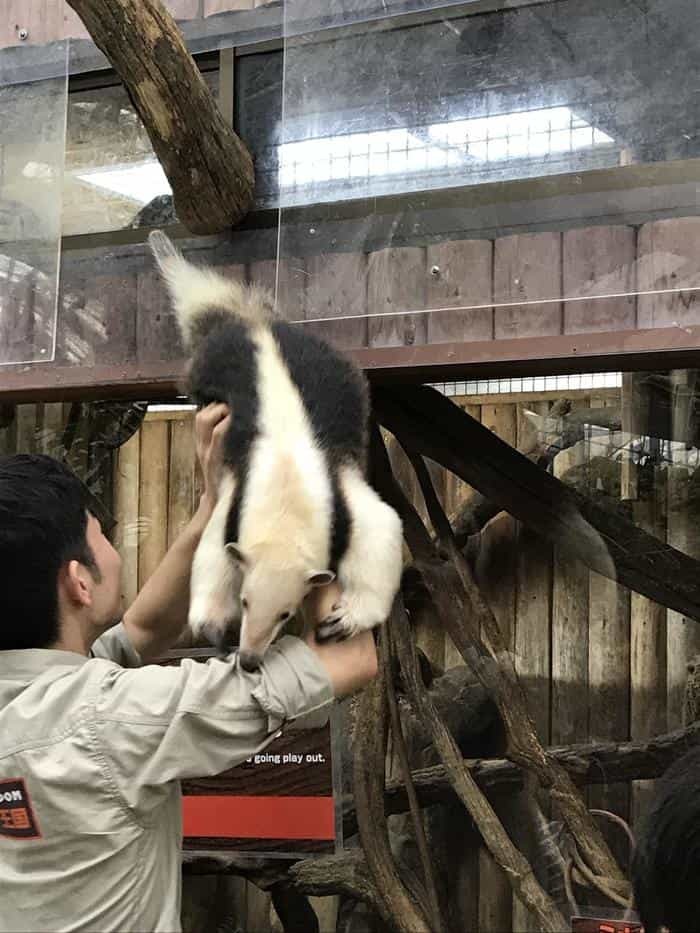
294 507
666 861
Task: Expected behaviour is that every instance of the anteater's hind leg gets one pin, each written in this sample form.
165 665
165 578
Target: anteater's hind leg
369 572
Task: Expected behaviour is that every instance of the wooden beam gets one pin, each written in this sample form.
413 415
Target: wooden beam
209 168
667 348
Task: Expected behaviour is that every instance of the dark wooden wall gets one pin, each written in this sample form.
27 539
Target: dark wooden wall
113 307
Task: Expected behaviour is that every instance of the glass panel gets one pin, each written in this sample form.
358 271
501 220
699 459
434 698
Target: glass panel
113 179
525 172
32 140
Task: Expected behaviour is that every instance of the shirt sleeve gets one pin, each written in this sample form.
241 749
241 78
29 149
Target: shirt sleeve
115 646
160 724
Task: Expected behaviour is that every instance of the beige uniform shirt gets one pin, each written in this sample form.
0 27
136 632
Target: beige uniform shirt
91 754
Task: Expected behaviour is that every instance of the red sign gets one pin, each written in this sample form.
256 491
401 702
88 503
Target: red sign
279 801
593 925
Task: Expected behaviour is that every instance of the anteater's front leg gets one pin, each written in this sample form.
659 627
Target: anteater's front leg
369 572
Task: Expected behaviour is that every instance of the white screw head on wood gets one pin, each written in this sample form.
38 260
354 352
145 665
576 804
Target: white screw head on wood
23 34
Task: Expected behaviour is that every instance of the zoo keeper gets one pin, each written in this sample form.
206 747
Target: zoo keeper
93 744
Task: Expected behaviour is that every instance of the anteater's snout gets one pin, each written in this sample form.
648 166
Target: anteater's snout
249 660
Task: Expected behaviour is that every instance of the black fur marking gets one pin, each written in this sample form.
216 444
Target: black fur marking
224 370
666 862
334 392
340 534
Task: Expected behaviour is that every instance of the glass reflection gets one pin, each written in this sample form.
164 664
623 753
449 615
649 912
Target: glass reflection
32 139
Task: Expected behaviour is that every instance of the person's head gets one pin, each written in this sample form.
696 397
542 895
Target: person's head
666 862
56 566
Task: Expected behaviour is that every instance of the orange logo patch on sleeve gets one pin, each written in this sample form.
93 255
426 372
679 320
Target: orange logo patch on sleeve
17 818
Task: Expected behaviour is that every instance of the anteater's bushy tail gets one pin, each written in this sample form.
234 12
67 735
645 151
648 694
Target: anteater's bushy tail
196 291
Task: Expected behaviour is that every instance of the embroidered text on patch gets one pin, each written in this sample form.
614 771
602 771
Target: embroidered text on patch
17 818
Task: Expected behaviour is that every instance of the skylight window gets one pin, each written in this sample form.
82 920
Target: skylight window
139 182
477 141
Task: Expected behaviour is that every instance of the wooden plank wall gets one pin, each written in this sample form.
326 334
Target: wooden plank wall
124 315
52 20
596 661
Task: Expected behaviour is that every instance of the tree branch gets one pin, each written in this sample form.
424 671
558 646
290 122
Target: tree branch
400 743
209 168
465 614
515 865
396 906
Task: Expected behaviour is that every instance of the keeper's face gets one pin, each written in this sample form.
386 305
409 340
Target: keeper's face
106 583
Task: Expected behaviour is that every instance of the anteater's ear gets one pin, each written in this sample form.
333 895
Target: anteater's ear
320 577
236 553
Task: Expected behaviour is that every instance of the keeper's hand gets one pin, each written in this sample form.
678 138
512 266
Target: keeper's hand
210 427
350 664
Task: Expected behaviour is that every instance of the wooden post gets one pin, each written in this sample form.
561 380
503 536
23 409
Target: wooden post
462 841
570 596
52 429
8 437
648 619
497 575
27 418
181 500
153 496
683 634
126 510
609 679
209 169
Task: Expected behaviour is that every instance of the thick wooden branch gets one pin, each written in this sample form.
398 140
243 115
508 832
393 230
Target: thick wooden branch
397 731
515 865
209 168
397 907
346 874
607 542
464 613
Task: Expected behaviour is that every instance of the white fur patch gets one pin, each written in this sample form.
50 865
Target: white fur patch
288 495
370 571
194 289
215 576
